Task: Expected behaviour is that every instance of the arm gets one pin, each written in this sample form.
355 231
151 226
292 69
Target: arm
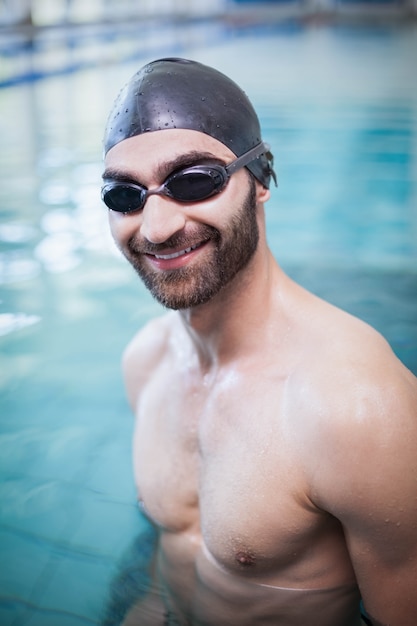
137 593
379 517
369 482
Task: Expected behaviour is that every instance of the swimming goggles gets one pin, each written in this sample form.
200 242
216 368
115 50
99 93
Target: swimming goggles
190 184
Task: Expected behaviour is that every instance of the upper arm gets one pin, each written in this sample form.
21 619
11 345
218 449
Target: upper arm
368 480
379 517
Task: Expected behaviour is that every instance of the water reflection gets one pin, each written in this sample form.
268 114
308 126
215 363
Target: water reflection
15 232
10 322
16 265
58 252
68 232
56 192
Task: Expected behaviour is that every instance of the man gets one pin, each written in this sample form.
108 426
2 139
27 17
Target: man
276 436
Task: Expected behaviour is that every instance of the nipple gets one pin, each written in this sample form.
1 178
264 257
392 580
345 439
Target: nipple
245 558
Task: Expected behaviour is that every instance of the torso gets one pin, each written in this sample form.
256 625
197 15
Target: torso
222 470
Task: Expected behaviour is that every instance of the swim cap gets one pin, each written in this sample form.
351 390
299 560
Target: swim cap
178 93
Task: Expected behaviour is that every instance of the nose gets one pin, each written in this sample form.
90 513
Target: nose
161 218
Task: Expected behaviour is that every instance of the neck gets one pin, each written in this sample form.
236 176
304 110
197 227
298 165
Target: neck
230 325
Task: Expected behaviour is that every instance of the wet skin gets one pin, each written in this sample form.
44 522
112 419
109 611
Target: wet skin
275 435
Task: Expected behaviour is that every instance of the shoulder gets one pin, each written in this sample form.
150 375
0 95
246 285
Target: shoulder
353 403
367 382
350 357
364 429
144 353
148 341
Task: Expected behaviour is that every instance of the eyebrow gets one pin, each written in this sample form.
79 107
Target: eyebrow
165 168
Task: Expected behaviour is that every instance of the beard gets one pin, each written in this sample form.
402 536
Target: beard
198 283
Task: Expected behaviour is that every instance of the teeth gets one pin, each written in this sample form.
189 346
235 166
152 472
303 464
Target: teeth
175 255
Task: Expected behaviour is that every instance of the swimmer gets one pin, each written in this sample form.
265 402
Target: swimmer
275 435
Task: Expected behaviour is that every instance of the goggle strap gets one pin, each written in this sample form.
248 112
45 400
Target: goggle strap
247 157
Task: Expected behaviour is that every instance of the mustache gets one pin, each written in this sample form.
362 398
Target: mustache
177 241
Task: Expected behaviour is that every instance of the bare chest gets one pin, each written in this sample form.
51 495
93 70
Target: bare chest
224 467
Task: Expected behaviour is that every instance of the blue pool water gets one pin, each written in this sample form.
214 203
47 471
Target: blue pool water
339 107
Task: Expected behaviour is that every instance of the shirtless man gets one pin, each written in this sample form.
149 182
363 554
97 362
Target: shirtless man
275 444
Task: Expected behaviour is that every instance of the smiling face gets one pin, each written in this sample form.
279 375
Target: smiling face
184 252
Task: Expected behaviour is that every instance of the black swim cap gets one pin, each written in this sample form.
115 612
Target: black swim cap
178 93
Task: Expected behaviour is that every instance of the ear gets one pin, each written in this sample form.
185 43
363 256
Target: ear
262 193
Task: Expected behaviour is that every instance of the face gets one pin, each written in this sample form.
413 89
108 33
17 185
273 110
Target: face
185 253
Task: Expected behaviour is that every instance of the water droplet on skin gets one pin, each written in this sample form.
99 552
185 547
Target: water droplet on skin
203 98
126 110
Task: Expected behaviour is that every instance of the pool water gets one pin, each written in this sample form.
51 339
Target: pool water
338 104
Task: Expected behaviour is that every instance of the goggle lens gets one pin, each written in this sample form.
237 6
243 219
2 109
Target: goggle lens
123 197
194 184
